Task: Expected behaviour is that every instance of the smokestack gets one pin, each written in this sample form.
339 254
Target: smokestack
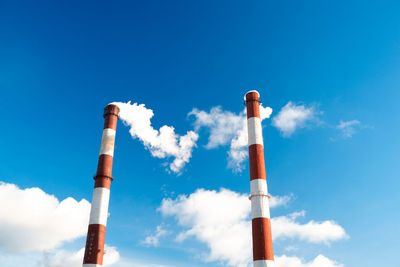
263 255
94 249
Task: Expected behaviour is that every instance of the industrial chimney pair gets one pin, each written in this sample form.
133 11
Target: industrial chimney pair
261 224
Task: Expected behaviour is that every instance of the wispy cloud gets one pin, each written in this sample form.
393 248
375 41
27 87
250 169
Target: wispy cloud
348 128
221 220
227 128
291 248
32 220
319 261
276 201
292 117
162 143
153 239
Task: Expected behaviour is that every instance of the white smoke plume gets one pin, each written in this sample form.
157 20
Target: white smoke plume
162 143
227 127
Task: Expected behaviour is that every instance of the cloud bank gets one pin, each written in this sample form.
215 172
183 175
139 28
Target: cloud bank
32 220
221 220
162 143
227 128
292 117
63 258
34 225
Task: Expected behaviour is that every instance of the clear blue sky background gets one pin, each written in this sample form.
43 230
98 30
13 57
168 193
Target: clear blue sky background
61 62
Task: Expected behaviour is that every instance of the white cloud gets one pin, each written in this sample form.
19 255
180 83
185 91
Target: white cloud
227 128
319 261
33 259
161 143
218 219
63 258
34 225
153 240
134 263
33 220
314 232
68 258
221 220
348 128
291 117
276 201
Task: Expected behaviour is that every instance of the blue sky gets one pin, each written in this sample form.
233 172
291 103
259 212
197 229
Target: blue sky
61 63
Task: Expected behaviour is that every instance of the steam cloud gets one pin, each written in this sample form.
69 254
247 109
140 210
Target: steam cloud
162 143
226 127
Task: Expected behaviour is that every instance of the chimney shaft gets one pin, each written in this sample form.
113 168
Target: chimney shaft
263 255
94 249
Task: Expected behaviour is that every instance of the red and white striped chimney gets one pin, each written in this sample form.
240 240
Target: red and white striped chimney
94 249
263 255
